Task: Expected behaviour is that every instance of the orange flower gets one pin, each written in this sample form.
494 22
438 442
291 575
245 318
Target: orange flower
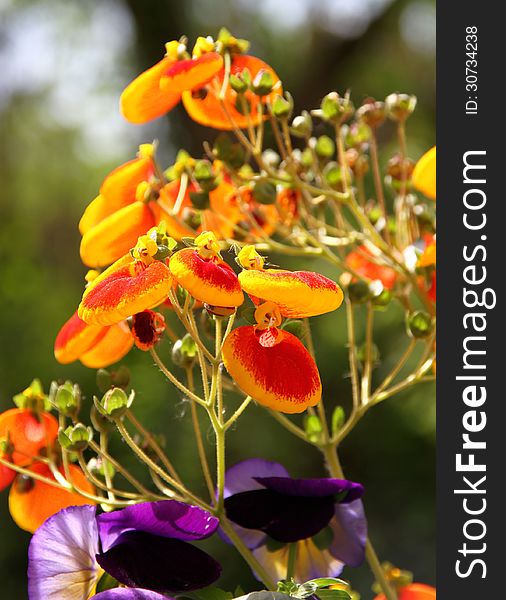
6 475
259 220
31 501
424 174
147 329
298 294
288 201
27 433
272 365
95 346
205 275
158 90
359 261
204 106
414 591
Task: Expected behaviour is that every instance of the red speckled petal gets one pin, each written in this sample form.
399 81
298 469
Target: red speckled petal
283 377
122 294
298 294
210 281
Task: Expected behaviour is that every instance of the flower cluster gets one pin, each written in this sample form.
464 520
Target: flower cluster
180 256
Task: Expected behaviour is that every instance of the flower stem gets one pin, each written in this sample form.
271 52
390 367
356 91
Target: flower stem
292 560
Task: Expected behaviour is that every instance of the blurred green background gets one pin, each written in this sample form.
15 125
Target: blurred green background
63 67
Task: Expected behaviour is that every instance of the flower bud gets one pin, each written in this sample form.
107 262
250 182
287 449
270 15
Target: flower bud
400 106
200 200
98 466
263 83
325 147
336 108
231 153
362 353
114 403
400 168
75 438
282 107
372 113
357 135
302 125
65 398
238 84
264 192
383 299
313 428
203 171
359 292
338 419
184 352
420 324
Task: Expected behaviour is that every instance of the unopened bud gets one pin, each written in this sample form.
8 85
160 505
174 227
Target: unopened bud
302 125
420 324
359 292
336 108
238 84
65 398
282 107
184 352
263 83
75 438
325 147
313 428
372 113
114 403
264 192
400 106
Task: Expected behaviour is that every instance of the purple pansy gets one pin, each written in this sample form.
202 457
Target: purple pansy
144 547
270 510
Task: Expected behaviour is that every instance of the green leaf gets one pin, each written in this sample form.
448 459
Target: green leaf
333 595
208 593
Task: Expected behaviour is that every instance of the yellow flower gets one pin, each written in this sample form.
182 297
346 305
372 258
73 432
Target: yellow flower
424 174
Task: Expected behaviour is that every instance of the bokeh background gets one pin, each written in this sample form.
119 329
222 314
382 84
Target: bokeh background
63 65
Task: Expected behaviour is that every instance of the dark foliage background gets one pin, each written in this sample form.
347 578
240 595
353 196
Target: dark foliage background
63 67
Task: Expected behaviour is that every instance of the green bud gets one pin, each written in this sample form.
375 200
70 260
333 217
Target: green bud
295 327
200 200
400 106
121 377
231 153
65 398
313 428
104 380
362 353
184 352
306 158
238 84
359 292
282 107
335 108
114 403
333 174
302 125
372 113
338 419
420 324
325 147
33 398
357 134
75 438
264 192
98 466
203 171
101 423
263 83
382 299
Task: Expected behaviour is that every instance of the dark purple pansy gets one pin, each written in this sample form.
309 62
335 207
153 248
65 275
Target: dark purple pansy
144 546
324 515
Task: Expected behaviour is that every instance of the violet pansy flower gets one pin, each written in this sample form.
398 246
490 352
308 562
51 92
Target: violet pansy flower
145 547
271 510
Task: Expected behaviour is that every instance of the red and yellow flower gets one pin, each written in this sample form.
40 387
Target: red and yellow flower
414 591
272 365
205 275
129 286
298 294
424 174
199 81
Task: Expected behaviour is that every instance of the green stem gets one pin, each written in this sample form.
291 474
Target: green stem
292 561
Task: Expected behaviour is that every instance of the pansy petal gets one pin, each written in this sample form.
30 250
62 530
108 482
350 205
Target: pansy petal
143 100
123 293
28 433
205 108
129 594
167 518
312 562
283 377
187 74
242 477
349 528
313 487
284 518
75 338
424 174
211 281
31 502
140 559
414 591
116 234
116 343
298 294
61 556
